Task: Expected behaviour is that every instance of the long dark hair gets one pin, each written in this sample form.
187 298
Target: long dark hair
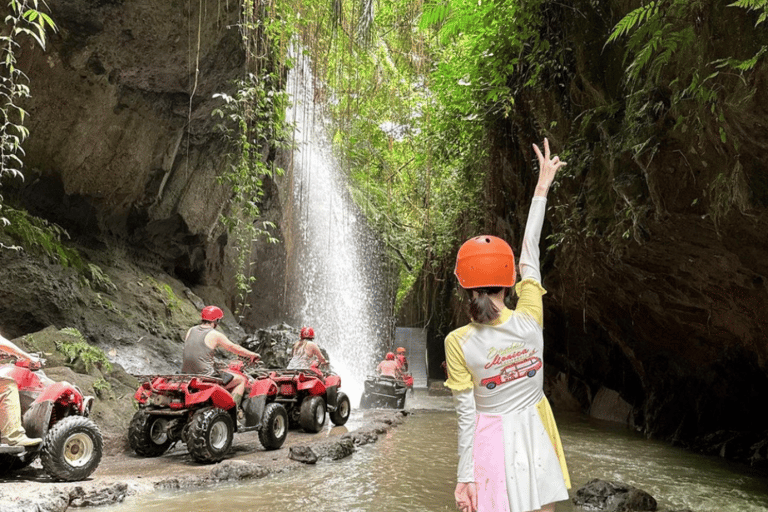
481 308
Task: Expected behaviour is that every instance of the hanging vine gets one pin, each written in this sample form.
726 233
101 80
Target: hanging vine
252 120
24 19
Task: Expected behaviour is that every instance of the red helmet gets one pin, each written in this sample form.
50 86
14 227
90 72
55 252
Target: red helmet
390 356
400 350
485 261
307 333
211 314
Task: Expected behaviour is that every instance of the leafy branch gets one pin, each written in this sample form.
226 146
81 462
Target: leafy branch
24 19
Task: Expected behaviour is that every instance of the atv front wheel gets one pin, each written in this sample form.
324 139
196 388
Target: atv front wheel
274 427
312 416
72 449
147 434
343 408
209 435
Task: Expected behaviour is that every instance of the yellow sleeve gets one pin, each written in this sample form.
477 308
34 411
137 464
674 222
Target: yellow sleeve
530 292
459 376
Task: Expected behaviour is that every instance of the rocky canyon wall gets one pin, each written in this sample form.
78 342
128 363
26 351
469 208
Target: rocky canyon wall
656 273
123 145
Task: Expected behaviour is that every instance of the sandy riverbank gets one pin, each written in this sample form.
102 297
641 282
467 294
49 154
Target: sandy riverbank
125 474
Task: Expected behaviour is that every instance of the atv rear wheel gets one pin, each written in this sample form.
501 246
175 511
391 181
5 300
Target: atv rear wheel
147 434
274 427
343 409
72 449
209 435
312 416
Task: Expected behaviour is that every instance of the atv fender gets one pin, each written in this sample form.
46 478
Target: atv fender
215 395
253 408
313 386
331 395
63 389
38 418
333 380
263 387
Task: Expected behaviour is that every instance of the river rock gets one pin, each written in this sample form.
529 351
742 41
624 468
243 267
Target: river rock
53 501
335 450
105 496
274 344
360 438
234 470
613 497
302 454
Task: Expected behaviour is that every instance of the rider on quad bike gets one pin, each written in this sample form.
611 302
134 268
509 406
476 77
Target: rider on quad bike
201 343
13 433
70 443
305 351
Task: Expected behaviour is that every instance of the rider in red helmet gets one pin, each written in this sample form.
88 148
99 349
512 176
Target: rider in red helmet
402 361
388 367
305 351
502 465
201 343
402 365
11 430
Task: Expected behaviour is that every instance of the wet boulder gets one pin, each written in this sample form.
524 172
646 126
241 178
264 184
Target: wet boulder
273 344
613 497
302 454
53 501
335 450
234 470
331 450
104 496
361 437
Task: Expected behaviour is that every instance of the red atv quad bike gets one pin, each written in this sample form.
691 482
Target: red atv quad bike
306 395
201 412
56 412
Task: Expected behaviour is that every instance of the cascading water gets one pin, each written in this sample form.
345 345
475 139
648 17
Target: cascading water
335 263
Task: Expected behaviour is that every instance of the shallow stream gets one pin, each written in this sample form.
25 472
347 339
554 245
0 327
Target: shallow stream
412 469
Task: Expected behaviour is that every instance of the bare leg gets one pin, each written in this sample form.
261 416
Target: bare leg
237 388
547 508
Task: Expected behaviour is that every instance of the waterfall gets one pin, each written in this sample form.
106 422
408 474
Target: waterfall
338 287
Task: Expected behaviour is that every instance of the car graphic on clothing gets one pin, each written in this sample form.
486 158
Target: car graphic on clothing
525 367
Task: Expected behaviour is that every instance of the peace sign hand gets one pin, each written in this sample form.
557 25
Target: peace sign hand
548 167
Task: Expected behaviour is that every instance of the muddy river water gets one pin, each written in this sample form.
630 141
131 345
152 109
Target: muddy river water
412 469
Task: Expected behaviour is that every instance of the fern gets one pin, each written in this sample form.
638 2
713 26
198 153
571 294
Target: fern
632 20
41 237
754 5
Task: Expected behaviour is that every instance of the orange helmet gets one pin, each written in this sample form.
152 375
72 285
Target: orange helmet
211 314
390 356
400 350
307 333
485 261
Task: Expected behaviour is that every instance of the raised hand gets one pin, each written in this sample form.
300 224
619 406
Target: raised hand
548 167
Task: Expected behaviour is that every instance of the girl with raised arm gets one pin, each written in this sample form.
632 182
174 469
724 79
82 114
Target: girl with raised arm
510 455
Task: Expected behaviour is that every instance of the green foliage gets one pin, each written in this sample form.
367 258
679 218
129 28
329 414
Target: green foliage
41 237
761 6
103 389
663 54
24 19
96 279
79 349
252 120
